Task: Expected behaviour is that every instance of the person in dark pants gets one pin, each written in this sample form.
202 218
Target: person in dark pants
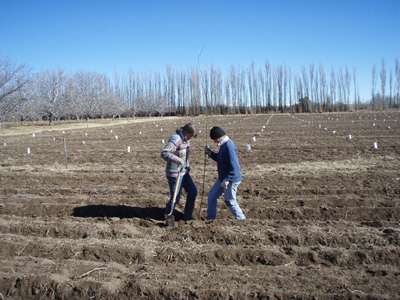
229 175
176 154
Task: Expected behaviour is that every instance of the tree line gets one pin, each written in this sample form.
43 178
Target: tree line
60 94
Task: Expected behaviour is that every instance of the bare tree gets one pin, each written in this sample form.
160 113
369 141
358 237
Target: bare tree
305 81
196 90
213 89
390 88
233 86
181 86
14 79
373 86
50 85
263 94
220 92
355 88
383 82
323 88
347 83
290 87
331 103
279 78
311 96
205 84
171 88
228 99
275 90
268 83
255 87
397 74
93 96
285 83
316 92
130 91
250 76
341 90
243 95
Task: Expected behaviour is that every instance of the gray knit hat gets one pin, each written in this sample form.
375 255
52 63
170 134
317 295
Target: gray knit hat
216 132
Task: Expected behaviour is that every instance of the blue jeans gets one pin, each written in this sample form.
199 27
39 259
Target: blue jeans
187 183
230 200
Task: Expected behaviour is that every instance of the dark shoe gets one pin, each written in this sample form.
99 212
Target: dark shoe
189 207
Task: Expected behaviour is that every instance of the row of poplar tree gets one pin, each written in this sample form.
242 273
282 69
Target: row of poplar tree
60 94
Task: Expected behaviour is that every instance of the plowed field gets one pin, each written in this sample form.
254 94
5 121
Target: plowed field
323 211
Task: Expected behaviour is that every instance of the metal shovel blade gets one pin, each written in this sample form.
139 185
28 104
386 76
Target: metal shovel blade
170 220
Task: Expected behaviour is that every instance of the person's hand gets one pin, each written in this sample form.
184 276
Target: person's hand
207 150
181 162
224 184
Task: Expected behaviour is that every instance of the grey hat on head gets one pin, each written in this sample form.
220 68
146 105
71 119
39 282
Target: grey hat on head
216 132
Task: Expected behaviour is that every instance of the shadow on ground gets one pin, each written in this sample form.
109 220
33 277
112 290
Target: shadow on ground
122 211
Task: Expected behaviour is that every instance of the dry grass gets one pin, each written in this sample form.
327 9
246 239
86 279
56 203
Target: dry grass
348 165
12 128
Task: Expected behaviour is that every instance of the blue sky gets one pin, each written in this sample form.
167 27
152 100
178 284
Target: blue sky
107 36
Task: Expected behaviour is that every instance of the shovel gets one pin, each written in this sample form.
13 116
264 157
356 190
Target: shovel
170 218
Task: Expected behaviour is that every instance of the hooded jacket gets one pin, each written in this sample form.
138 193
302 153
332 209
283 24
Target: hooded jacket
176 147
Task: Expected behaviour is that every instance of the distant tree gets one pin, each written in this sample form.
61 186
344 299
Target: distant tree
332 101
228 99
383 82
268 83
311 95
347 83
275 89
355 88
304 106
397 74
243 95
261 85
213 89
373 86
171 88
290 87
50 92
285 84
14 79
390 88
279 78
341 91
305 81
323 87
233 88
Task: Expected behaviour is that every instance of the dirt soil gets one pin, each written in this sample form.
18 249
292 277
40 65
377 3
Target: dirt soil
323 211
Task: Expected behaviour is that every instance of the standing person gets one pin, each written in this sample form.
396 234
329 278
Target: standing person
176 154
229 175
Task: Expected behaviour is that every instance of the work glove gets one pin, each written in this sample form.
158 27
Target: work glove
207 150
224 184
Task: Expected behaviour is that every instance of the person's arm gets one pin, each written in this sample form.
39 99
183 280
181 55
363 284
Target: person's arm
168 153
210 153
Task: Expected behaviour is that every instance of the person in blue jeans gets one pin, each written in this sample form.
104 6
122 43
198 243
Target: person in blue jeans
176 154
229 175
